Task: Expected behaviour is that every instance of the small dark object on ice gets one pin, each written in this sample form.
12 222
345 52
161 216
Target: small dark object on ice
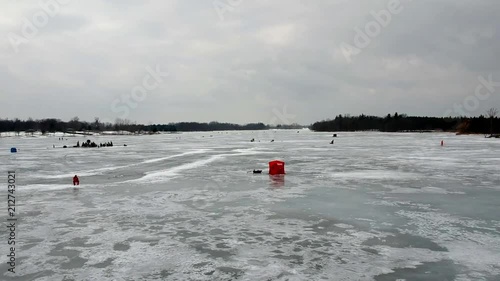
76 180
257 171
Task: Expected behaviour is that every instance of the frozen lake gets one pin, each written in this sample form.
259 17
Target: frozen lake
372 206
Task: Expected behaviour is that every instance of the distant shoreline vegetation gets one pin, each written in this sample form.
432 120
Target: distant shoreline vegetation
75 126
489 124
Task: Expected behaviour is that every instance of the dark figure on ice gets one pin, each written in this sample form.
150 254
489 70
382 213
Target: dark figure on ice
76 180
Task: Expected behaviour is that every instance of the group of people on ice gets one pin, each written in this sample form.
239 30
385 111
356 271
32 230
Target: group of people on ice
93 144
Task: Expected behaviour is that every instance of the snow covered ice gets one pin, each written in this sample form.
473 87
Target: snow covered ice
372 206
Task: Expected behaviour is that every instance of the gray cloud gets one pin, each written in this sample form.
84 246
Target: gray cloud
262 56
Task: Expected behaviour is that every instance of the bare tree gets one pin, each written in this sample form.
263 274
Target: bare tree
491 113
74 124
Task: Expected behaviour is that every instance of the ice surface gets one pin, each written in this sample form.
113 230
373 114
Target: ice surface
373 206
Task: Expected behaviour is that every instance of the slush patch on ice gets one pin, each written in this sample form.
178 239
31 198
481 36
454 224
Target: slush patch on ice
429 189
372 175
462 244
364 219
343 225
406 204
404 241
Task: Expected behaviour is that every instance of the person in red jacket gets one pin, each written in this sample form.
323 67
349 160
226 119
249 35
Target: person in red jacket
76 181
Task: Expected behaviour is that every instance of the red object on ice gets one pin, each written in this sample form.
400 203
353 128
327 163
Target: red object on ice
76 180
276 167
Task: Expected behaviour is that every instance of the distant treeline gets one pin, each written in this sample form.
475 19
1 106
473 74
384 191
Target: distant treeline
399 123
52 125
195 126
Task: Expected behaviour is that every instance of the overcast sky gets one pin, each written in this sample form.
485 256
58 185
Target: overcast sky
279 61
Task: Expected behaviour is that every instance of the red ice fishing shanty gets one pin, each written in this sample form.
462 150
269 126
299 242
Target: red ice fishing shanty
276 167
